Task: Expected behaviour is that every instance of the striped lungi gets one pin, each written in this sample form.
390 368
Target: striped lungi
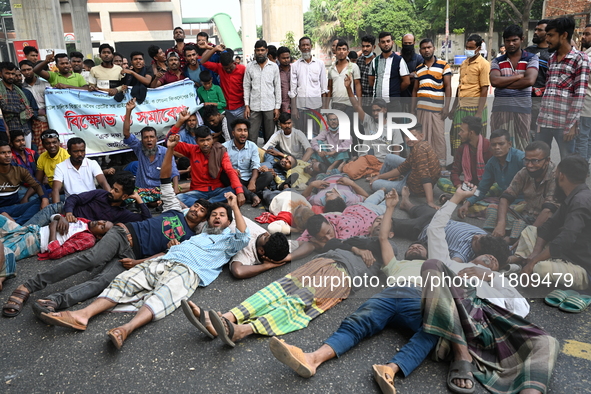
37 128
434 132
515 223
290 303
159 284
461 113
517 124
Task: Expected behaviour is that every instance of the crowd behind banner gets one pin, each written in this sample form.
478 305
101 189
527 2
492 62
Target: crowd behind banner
183 137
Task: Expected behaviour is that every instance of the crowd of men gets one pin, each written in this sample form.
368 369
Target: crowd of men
55 201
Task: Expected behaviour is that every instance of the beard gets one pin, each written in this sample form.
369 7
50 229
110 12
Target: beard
213 230
306 55
536 40
559 194
150 152
413 256
585 45
427 58
260 59
191 130
407 52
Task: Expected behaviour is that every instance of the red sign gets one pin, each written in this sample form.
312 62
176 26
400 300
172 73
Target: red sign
20 45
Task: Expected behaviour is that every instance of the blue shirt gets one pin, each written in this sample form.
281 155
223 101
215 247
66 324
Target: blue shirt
205 253
458 236
148 174
154 234
193 75
187 137
244 160
502 176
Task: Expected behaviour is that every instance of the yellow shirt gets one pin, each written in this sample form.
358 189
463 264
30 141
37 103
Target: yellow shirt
303 177
47 164
404 272
473 76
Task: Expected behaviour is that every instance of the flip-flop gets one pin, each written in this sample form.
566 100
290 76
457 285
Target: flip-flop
197 322
291 356
460 370
557 297
44 306
225 332
17 299
64 319
445 197
386 384
118 342
575 304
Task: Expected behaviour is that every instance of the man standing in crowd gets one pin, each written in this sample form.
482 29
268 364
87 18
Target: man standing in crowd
31 54
77 62
539 48
192 68
37 87
566 86
308 85
179 44
412 60
172 74
583 141
77 173
64 78
389 74
336 80
431 95
513 76
106 76
158 61
262 93
284 58
368 45
472 90
15 107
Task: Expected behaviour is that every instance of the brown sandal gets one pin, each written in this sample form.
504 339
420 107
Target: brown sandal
117 341
15 302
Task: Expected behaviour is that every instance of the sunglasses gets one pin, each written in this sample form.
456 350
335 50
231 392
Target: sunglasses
52 135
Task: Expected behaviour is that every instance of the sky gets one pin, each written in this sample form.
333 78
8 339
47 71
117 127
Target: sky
199 9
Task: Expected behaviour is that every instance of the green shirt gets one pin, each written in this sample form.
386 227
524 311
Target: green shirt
76 80
213 95
403 272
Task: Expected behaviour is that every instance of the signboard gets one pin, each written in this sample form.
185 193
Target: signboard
20 45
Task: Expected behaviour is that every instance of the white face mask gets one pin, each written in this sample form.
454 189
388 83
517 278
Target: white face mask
469 52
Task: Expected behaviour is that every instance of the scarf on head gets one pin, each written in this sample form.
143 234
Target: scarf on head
28 112
466 166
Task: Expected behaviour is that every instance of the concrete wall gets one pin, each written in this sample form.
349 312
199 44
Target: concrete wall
281 16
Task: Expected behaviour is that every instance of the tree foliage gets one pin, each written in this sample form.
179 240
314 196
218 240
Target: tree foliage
290 42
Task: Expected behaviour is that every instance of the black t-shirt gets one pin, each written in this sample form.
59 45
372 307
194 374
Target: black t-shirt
544 56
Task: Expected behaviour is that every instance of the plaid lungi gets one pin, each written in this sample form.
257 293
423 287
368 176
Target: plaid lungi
290 303
22 240
510 353
516 223
517 124
8 269
37 128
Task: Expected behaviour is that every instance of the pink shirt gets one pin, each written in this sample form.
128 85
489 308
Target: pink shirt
353 222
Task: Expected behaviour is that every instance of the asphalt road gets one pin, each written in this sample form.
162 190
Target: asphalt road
170 355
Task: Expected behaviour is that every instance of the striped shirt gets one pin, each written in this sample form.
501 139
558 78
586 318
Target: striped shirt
364 69
458 236
262 87
514 100
565 91
388 75
205 254
431 93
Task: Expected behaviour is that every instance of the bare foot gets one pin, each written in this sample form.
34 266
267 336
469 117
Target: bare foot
256 201
1 281
405 203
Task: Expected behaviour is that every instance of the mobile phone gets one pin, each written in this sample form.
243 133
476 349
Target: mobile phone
467 188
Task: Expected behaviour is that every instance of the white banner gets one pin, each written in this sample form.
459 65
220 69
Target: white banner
98 119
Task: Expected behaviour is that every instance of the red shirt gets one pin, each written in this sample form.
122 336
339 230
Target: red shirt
232 84
200 178
169 77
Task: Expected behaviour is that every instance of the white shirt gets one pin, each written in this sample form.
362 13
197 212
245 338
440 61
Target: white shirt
587 104
339 92
308 83
262 87
73 228
294 144
77 181
500 293
249 255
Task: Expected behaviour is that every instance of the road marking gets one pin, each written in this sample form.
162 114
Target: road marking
577 349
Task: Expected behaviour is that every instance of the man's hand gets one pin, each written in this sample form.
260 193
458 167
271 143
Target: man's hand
391 199
109 171
128 263
444 113
433 205
348 81
276 114
499 231
463 211
462 194
60 86
252 187
63 226
220 48
172 243
184 115
366 256
44 203
173 140
71 218
345 181
136 197
318 184
528 267
267 260
232 199
130 105
571 134
241 199
295 113
127 71
451 114
93 88
50 57
112 92
246 112
476 272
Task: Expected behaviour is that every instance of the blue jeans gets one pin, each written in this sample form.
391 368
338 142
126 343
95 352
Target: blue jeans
583 140
216 195
396 306
565 147
43 217
375 203
391 162
21 213
234 114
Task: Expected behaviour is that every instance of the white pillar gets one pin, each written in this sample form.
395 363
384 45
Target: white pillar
249 27
281 16
39 20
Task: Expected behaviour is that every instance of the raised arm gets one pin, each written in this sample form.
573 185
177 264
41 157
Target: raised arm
39 68
127 121
386 248
354 101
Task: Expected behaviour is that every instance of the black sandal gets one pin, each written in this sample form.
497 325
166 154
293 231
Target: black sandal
225 331
460 369
44 306
15 302
197 322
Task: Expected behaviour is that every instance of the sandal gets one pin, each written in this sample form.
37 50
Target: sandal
386 383
62 319
291 356
557 297
460 370
443 198
575 303
197 322
15 302
117 341
223 327
44 306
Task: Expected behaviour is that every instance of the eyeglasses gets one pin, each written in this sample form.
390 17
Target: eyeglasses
534 161
51 135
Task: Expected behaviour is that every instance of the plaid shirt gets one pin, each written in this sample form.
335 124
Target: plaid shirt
11 109
366 88
565 91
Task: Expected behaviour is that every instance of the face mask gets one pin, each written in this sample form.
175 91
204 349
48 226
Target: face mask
469 52
333 129
408 48
537 173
